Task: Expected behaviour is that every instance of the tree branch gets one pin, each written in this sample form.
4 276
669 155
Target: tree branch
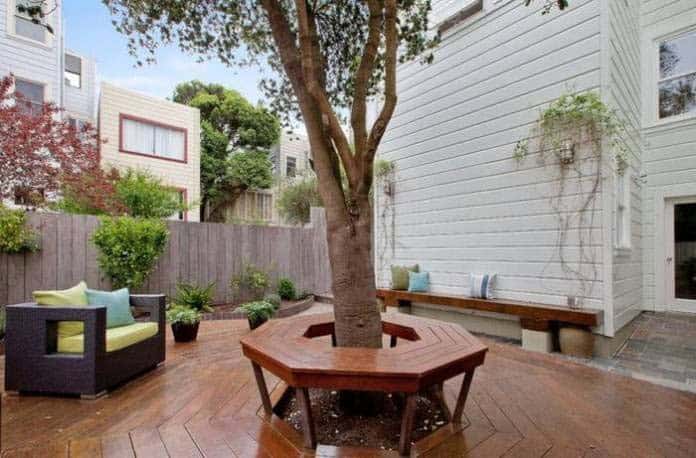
362 77
329 118
390 98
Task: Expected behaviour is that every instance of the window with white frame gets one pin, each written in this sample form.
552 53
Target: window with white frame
139 136
27 26
73 71
32 95
623 210
677 77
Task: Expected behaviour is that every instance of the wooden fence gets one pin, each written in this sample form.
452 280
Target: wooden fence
196 252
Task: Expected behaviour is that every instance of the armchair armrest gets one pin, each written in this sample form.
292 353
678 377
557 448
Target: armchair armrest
154 304
32 328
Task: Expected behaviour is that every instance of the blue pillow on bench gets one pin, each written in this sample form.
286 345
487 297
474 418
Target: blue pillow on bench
418 282
118 312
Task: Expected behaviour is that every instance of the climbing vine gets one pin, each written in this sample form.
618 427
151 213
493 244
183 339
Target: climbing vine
574 133
384 172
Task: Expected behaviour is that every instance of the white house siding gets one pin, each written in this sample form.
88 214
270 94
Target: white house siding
622 91
115 101
80 102
670 146
28 59
462 203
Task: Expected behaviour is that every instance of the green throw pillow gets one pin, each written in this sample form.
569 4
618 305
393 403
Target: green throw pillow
74 296
400 276
118 311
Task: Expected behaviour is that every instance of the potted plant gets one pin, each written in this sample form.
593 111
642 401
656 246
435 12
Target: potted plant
258 312
199 298
184 321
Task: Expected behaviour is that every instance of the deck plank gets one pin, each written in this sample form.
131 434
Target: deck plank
204 402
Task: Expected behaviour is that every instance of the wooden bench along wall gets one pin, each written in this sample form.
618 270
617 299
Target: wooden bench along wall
534 317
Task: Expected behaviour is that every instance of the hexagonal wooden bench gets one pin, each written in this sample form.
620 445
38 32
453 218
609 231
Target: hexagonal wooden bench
430 352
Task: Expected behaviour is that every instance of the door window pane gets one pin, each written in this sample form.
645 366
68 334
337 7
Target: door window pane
677 85
685 251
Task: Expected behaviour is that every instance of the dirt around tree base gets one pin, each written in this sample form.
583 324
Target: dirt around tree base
332 427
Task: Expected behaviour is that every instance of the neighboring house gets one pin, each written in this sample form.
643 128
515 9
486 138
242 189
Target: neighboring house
463 204
291 159
45 71
153 134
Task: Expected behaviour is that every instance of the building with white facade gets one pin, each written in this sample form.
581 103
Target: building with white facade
168 134
464 204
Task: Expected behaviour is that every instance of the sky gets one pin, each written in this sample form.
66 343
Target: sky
89 32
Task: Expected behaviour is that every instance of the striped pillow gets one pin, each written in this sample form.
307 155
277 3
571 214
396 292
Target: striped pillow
481 285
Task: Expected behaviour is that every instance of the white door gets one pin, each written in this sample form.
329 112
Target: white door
680 250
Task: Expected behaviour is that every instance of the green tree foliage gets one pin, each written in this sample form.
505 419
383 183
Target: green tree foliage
235 139
296 200
15 236
129 248
145 196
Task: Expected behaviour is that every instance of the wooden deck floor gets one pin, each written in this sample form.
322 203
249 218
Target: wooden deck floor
203 402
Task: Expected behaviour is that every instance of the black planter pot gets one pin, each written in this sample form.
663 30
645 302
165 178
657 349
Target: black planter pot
184 332
256 323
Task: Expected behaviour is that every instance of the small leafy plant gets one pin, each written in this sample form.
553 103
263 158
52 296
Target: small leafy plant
129 248
15 236
180 314
252 281
258 311
286 289
273 299
199 298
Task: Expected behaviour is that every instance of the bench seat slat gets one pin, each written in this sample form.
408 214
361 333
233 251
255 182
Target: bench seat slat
537 312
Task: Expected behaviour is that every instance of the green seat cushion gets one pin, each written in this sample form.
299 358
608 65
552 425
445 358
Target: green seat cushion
118 311
116 338
400 276
74 297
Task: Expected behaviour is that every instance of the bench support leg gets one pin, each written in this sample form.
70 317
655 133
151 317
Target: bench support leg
463 394
307 421
407 424
439 392
263 390
392 341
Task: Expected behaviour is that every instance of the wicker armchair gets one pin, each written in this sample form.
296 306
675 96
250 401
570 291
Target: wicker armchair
32 363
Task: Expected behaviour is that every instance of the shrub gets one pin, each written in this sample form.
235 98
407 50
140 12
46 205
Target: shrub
258 310
296 200
145 196
199 298
273 299
129 248
286 289
252 281
180 314
15 236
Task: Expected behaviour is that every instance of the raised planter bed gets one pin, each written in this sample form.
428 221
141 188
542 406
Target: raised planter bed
287 308
422 354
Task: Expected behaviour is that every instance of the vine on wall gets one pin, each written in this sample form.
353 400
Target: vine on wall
385 172
574 135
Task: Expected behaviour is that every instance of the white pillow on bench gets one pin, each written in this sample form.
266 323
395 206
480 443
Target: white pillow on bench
481 285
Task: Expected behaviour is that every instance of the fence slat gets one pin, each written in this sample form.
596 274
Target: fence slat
196 252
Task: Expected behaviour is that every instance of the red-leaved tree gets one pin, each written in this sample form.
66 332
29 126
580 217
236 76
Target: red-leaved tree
38 149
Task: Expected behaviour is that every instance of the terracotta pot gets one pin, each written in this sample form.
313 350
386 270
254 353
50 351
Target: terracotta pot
576 341
185 332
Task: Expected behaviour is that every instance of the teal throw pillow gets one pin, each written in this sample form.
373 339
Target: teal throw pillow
118 312
418 282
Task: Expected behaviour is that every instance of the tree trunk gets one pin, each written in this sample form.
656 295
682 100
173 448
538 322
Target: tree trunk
358 322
